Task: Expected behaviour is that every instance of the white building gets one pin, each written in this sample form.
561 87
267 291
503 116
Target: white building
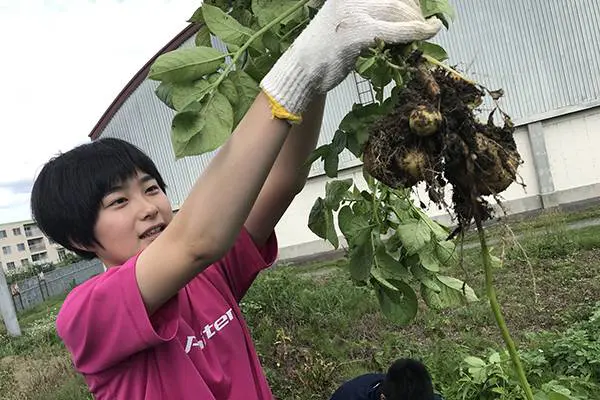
23 244
542 55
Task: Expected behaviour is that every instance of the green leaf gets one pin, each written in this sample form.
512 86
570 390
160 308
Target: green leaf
203 37
335 192
267 10
203 127
357 231
434 50
183 94
228 29
258 67
320 222
363 64
186 64
380 75
331 164
451 294
440 8
398 305
446 253
228 89
361 256
356 125
271 42
428 258
474 362
186 125
197 16
424 277
389 266
352 224
247 90
338 143
164 92
320 152
414 235
376 273
244 17
459 286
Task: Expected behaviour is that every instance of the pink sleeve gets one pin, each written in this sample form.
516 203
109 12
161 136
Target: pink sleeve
103 321
245 260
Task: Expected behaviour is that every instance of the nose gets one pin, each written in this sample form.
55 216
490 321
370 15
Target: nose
148 210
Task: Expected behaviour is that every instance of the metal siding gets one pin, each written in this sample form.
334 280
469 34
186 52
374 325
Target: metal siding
543 54
544 57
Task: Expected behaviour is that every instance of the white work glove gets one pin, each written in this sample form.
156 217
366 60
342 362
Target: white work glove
326 51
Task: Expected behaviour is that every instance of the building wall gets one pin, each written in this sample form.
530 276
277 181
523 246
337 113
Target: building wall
26 245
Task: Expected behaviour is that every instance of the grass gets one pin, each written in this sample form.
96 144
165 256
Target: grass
313 328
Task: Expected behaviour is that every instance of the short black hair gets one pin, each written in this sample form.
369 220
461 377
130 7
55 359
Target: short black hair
67 194
407 379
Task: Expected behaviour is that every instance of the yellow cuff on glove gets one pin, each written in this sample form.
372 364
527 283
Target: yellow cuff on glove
278 111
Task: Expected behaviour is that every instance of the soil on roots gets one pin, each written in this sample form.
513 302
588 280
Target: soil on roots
432 135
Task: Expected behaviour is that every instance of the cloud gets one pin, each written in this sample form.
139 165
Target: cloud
17 187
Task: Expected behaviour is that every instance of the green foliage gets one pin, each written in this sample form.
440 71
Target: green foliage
211 90
565 366
392 246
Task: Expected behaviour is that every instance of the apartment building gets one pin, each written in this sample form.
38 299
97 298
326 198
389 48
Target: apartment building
23 244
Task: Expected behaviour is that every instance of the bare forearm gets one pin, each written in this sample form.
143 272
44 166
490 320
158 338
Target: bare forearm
221 200
288 175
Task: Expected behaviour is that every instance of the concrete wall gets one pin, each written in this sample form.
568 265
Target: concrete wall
561 166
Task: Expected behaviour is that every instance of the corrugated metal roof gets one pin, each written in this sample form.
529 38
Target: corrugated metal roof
543 54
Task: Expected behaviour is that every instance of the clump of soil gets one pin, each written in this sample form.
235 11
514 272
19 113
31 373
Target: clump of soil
433 136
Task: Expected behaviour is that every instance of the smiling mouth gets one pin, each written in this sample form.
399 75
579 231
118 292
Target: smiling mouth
154 231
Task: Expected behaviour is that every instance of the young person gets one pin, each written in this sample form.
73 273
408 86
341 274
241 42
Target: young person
163 321
406 379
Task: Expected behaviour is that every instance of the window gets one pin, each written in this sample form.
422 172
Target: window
36 245
39 257
17 231
10 266
61 254
21 246
25 262
6 250
2 234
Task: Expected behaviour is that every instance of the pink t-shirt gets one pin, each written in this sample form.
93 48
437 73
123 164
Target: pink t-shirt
197 346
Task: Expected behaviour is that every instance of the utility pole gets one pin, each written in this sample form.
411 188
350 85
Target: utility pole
7 308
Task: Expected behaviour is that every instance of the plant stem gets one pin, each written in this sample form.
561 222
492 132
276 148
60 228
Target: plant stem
491 293
256 35
447 68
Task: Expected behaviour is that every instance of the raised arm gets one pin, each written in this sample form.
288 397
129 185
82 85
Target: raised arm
288 175
217 207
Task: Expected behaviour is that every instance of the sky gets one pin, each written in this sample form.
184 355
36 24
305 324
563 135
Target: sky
63 62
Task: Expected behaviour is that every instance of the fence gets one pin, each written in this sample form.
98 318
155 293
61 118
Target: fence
34 291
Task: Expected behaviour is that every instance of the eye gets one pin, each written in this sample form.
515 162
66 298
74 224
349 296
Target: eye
117 202
153 189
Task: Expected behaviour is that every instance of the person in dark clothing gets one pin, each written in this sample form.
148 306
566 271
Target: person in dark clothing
406 379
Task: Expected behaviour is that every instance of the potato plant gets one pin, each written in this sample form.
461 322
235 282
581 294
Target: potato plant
424 133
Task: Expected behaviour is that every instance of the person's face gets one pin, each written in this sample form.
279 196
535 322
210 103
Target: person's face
131 216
